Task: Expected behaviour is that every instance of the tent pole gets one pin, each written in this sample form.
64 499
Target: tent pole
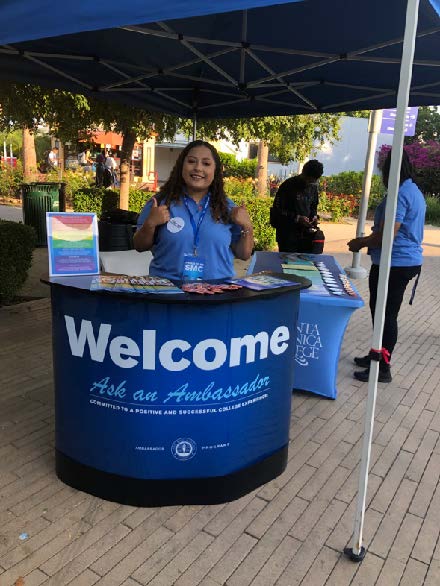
357 551
356 271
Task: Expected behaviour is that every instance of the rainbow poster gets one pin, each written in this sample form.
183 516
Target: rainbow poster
72 240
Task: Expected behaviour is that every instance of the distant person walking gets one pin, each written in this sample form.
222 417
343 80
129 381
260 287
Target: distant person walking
111 165
100 179
52 159
84 158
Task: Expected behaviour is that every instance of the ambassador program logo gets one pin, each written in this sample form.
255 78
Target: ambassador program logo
184 449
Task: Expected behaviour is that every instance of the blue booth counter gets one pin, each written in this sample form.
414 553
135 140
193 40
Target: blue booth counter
324 311
172 399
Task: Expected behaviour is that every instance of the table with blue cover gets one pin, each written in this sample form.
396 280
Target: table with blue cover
324 312
171 399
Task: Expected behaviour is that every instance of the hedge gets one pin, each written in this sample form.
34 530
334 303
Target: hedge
17 243
99 200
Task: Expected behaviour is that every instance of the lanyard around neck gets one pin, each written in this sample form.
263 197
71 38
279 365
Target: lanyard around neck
196 227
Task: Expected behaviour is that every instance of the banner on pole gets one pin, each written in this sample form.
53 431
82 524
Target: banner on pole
389 120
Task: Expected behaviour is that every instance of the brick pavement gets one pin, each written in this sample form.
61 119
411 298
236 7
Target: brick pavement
291 531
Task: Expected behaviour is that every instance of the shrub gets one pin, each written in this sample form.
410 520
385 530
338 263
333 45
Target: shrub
236 188
433 210
258 208
137 199
10 180
240 169
99 200
338 206
349 183
17 243
75 181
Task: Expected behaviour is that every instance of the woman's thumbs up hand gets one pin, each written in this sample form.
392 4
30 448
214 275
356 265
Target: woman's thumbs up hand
240 216
158 215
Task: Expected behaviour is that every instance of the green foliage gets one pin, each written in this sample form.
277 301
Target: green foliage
236 188
99 200
10 180
350 183
137 199
17 243
427 125
75 181
428 180
290 138
95 200
240 169
433 210
71 116
258 208
11 138
337 206
357 114
42 147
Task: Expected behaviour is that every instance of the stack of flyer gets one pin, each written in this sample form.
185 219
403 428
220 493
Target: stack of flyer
126 284
261 281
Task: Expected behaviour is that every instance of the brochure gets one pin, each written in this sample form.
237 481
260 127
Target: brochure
154 285
261 281
126 284
72 240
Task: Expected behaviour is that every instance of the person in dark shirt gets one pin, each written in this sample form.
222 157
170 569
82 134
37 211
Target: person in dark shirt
295 209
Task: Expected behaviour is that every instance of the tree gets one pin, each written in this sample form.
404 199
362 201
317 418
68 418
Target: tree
134 124
290 138
74 116
427 125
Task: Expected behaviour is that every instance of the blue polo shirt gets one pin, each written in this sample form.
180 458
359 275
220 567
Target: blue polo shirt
410 213
170 246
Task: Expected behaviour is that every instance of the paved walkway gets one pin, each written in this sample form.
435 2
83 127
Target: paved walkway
291 531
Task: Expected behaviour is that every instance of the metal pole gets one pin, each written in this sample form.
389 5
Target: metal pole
357 551
356 271
10 154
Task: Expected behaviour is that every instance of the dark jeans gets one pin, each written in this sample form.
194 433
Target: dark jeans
397 283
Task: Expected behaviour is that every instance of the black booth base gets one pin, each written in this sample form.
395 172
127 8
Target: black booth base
157 493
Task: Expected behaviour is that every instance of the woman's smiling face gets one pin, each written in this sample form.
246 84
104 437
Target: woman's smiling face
198 170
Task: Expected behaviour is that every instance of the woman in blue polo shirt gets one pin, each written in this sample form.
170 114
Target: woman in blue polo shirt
406 259
191 227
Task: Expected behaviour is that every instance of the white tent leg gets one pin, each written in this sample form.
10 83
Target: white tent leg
356 271
357 551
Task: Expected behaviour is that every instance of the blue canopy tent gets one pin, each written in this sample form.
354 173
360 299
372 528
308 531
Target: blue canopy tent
195 57
288 58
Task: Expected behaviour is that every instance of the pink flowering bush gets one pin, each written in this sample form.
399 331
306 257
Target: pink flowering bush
425 157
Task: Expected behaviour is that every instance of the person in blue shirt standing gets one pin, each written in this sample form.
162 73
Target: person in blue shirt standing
192 228
406 260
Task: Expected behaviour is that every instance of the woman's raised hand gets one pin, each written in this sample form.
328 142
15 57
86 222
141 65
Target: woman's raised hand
241 217
158 215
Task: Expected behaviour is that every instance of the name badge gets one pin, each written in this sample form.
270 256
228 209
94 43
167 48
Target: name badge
174 225
193 267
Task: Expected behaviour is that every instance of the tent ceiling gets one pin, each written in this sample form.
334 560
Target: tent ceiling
303 57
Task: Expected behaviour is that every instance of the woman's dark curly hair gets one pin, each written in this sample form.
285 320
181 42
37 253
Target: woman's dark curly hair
174 187
406 169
